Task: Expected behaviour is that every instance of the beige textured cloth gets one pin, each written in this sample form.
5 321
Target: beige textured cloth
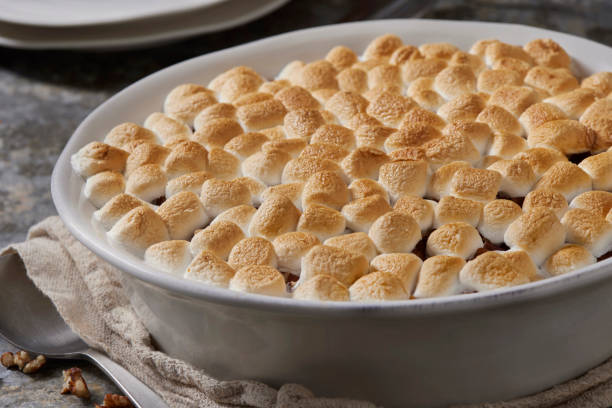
89 295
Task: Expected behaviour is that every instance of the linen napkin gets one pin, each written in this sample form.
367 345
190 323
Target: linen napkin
89 295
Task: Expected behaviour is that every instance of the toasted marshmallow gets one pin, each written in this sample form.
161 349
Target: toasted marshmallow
103 186
259 279
600 202
565 178
573 103
554 81
217 83
450 148
97 157
506 145
537 232
145 153
404 178
170 256
492 79
266 166
418 208
411 153
475 63
322 288
186 157
389 108
548 53
357 242
521 261
115 208
454 239
382 47
167 128
440 183
251 99
599 167
324 151
546 198
420 90
246 144
598 118
567 136
216 111
335 135
422 116
147 182
517 177
220 195
122 135
463 107
568 259
326 188
183 213
273 87
500 120
600 82
384 76
515 99
274 217
372 136
290 247
217 132
260 115
364 162
497 215
209 268
360 214
452 209
346 104
293 146
186 101
497 50
378 286
341 57
540 158
361 188
513 64
478 133
439 276
415 134
343 265
538 114
454 81
238 85
419 68
491 270
589 229
317 75
404 266
290 71
475 184
222 164
488 160
441 50
240 215
352 80
321 221
395 231
219 238
296 98
292 191
404 53
480 47
300 169
252 251
138 229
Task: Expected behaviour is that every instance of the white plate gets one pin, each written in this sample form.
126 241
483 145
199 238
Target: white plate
63 13
139 33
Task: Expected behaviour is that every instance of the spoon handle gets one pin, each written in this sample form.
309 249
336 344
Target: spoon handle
140 395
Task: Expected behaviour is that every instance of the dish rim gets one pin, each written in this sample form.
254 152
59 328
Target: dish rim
186 289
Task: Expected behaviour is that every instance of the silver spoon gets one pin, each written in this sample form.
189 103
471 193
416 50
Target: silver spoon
30 322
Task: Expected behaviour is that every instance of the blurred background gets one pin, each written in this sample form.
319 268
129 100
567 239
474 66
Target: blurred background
56 68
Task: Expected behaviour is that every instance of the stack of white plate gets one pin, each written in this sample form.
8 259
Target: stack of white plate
114 24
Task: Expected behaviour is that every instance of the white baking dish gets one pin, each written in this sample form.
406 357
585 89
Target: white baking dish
426 353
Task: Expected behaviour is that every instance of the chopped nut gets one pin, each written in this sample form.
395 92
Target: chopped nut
7 359
34 365
22 358
74 383
115 401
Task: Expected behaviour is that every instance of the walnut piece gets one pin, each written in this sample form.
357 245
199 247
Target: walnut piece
8 359
34 365
74 383
115 401
22 358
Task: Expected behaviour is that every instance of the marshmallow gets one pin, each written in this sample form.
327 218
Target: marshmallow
352 80
255 187
324 151
404 178
296 98
341 57
378 286
475 63
290 247
217 132
454 239
548 53
441 50
598 118
252 99
497 215
478 133
335 135
454 81
238 84
317 75
170 256
382 47
512 64
589 229
145 153
404 53
540 159
514 99
420 90
450 148
573 103
464 107
600 83
492 79
292 191
115 208
364 162
415 134
384 76
357 242
167 128
274 217
326 188
97 157
246 144
600 202
480 47
500 120
322 288
452 209
138 229
517 177
321 221
186 101
360 214
293 146
521 261
147 182
555 81
489 271
266 166
422 116
273 87
440 183
103 186
252 251
208 268
186 157
568 259
418 68
240 215
546 198
183 213
567 136
475 184
220 195
216 111
343 265
538 114
223 165
300 169
537 232
259 279
497 50
124 134
290 71
404 266
261 115
219 81
218 238
565 178
346 104
439 276
418 208
506 145
389 108
599 167
395 231
361 188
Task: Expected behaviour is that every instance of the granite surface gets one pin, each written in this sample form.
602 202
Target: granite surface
44 95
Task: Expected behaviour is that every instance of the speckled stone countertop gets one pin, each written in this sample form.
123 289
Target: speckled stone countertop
44 95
